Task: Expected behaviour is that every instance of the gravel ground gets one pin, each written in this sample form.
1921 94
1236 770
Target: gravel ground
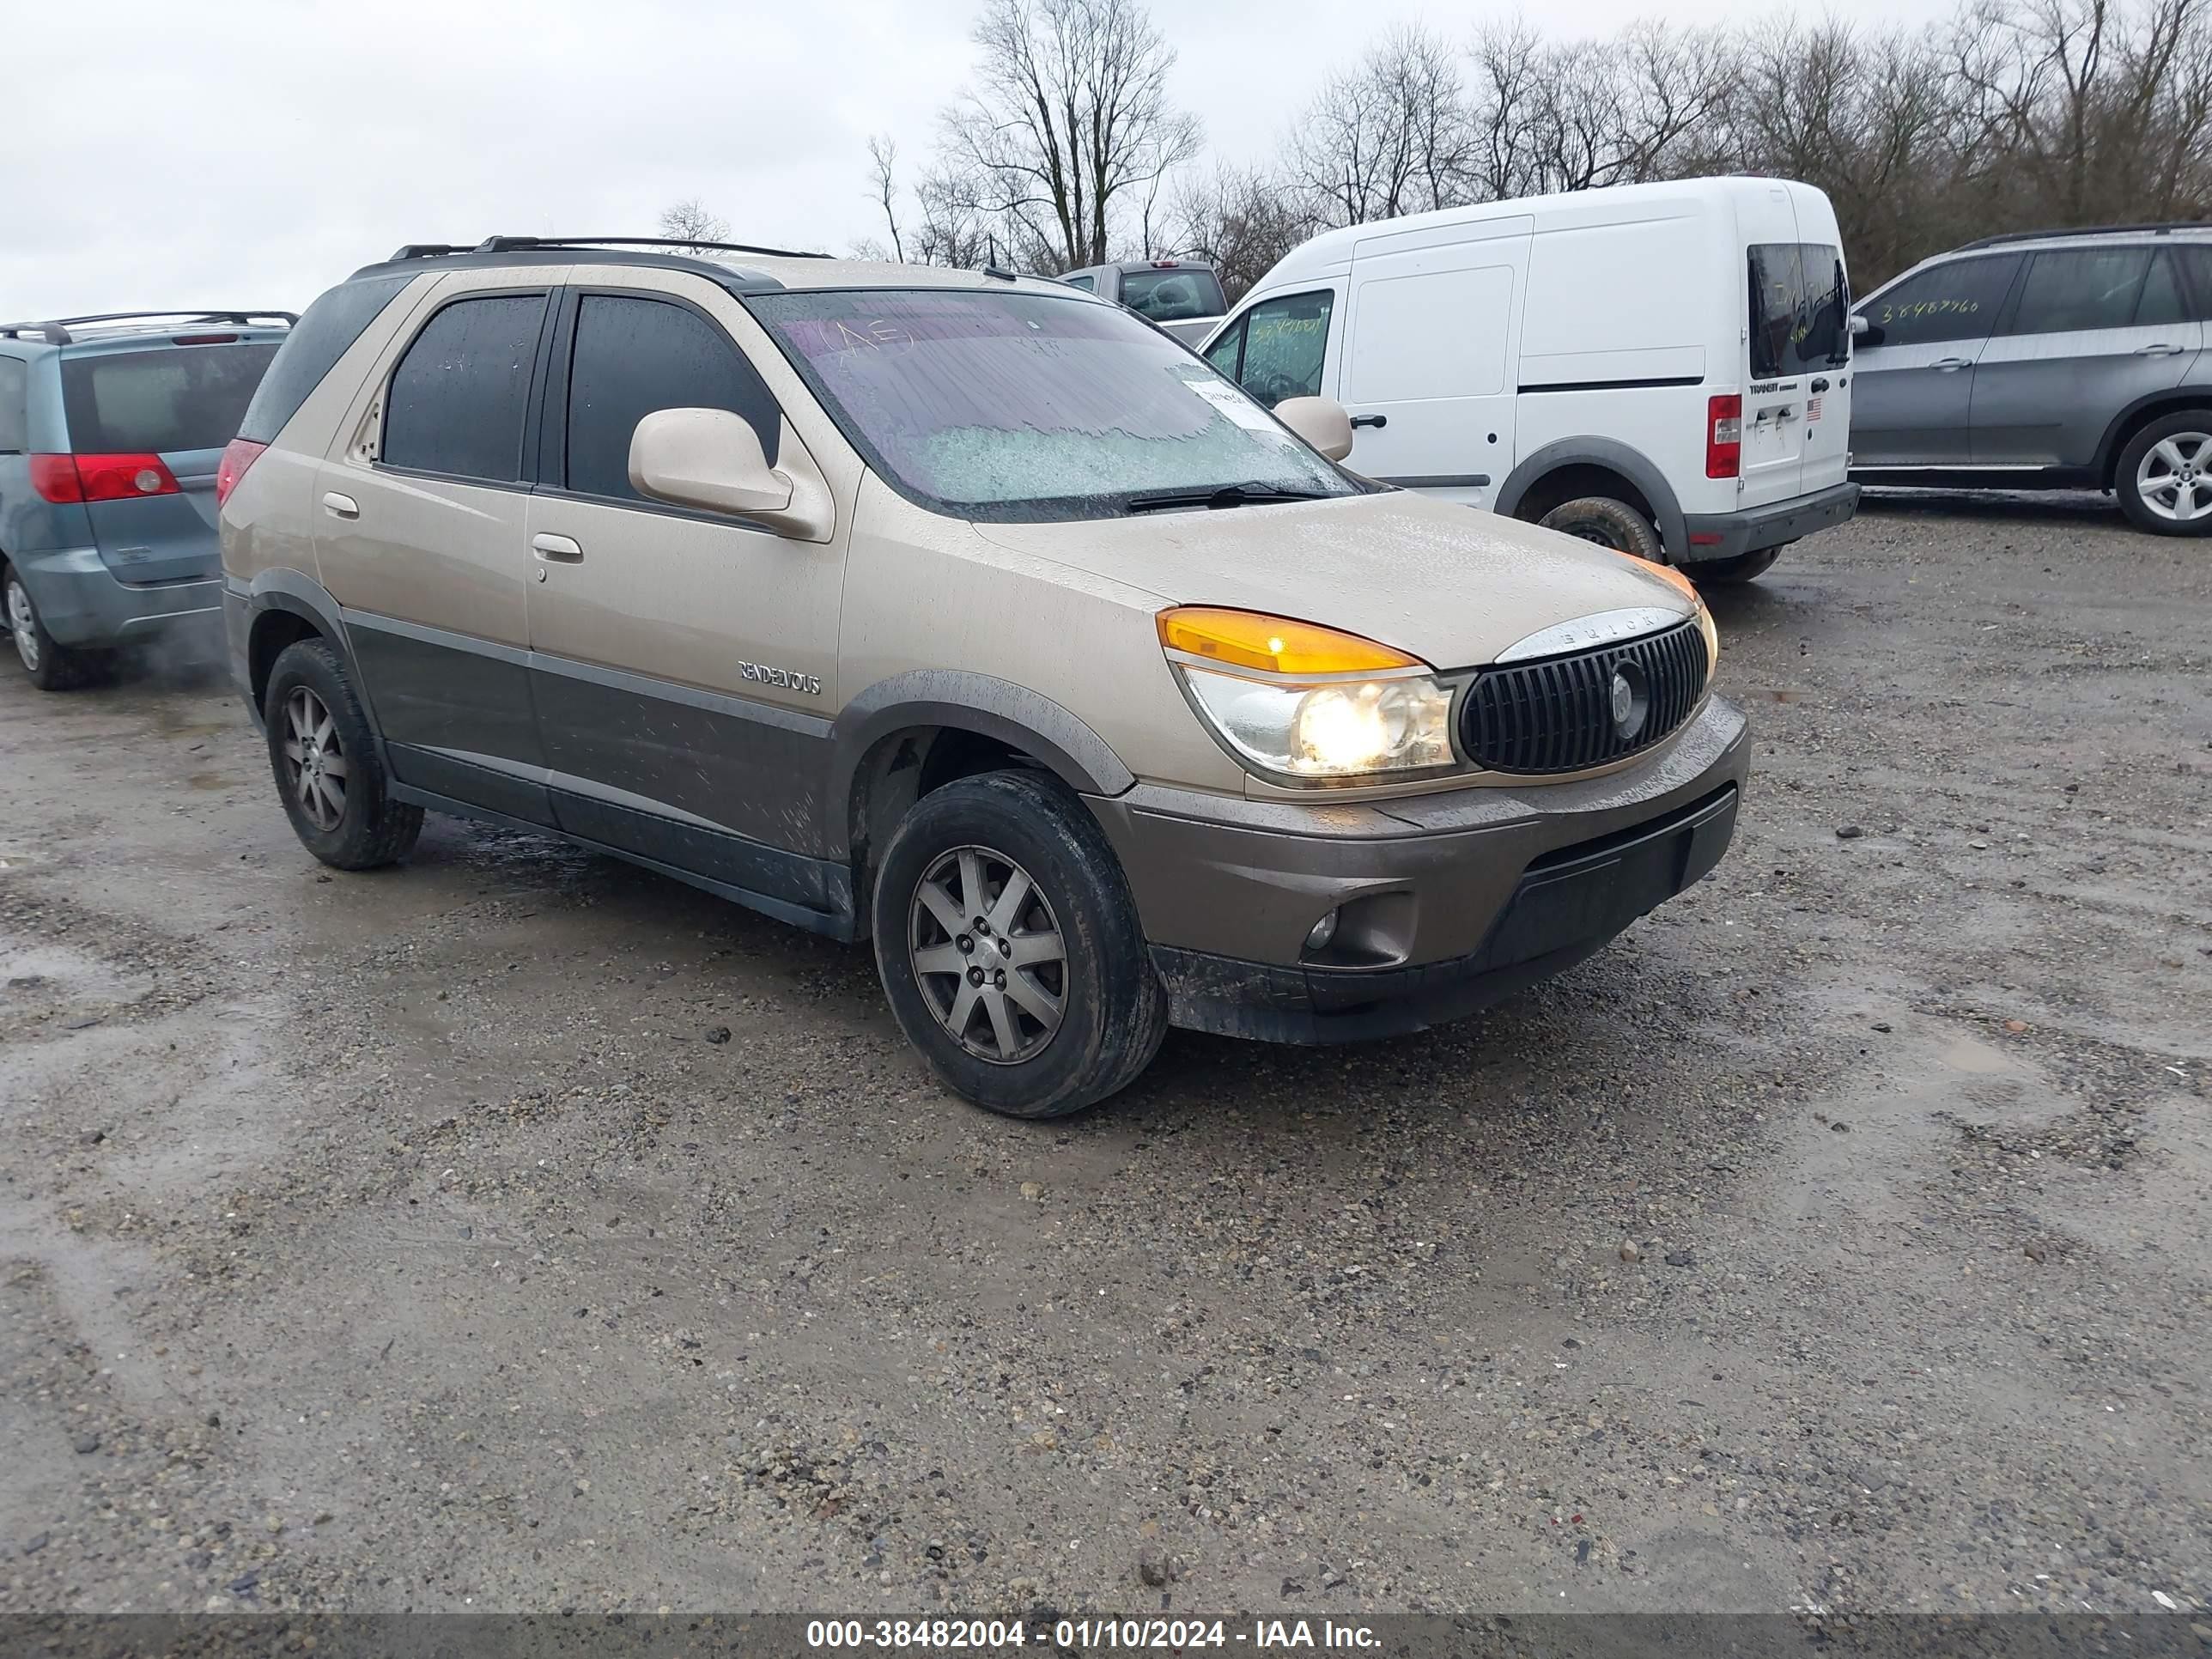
517 1229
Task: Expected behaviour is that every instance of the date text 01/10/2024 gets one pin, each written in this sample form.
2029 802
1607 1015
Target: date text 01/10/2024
1083 1634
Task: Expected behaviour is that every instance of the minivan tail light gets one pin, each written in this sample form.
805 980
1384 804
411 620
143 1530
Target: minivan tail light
238 455
1723 436
101 477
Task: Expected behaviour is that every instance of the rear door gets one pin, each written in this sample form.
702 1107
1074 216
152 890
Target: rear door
1912 371
134 414
2090 330
420 525
1431 352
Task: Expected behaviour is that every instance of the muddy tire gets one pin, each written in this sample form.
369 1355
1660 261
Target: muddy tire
1609 523
1010 948
325 759
1731 573
51 665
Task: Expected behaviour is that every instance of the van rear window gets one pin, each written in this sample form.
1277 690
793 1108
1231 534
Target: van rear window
138 403
1800 300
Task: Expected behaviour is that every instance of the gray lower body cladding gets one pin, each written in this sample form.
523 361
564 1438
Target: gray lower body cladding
1757 528
1445 903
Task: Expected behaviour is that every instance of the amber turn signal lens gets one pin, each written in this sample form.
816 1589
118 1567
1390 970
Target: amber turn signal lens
1273 645
1668 574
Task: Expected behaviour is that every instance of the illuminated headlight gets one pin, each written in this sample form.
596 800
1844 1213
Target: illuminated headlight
1340 729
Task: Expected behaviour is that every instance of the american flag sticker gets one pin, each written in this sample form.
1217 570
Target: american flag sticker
1811 408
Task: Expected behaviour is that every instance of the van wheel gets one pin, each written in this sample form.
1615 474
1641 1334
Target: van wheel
1608 523
1010 948
2164 478
51 665
1729 573
325 759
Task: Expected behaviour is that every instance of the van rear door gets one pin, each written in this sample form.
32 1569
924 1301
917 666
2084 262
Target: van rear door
1795 418
1429 356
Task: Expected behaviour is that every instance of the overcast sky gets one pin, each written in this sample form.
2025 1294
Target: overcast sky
253 153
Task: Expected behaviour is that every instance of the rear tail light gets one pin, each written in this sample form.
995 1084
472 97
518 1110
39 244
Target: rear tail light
101 477
239 454
1723 436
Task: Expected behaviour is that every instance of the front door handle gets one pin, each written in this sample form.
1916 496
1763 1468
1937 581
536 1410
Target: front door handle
559 550
341 507
1370 420
2158 352
1951 364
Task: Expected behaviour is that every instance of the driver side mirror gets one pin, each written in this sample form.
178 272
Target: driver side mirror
712 460
1321 422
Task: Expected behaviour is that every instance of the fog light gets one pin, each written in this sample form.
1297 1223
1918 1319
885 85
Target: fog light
1324 931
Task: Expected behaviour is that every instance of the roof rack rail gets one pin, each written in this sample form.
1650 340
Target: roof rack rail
2165 229
57 331
514 244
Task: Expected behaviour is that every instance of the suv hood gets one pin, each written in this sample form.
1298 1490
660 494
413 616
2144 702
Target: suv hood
1452 585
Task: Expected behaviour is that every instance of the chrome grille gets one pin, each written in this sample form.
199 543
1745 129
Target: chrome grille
1558 714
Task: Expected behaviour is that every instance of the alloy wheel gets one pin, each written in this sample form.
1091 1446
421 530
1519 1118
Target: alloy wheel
2174 477
315 764
987 954
23 624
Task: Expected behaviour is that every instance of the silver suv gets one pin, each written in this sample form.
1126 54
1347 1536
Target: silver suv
964 613
2057 360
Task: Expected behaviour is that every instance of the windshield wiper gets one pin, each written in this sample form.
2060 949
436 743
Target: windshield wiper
1235 494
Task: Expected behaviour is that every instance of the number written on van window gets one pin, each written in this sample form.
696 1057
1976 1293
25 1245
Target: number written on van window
1283 342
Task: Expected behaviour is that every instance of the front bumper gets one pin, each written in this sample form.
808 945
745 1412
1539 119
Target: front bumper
82 604
1756 528
1446 901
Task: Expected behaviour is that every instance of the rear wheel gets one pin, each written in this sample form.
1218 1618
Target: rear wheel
325 759
1727 573
2164 478
1609 523
51 665
1010 948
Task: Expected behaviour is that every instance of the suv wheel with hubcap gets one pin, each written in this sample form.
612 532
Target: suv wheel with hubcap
2163 479
325 759
1010 947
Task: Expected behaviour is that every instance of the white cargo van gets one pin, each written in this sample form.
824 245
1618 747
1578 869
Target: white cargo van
1664 368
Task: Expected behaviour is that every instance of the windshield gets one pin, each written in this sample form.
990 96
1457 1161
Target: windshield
1168 296
1001 404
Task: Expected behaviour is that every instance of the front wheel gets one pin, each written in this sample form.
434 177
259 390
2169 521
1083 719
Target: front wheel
324 756
2164 478
1010 948
1609 523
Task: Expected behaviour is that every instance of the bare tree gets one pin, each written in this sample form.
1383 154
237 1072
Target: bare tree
689 222
883 183
1240 221
1390 136
1069 122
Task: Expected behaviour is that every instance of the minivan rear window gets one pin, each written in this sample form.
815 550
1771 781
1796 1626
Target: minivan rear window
317 341
136 403
1800 300
1166 296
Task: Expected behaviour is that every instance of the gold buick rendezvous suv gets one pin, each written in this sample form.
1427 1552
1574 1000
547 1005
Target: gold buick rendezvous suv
966 613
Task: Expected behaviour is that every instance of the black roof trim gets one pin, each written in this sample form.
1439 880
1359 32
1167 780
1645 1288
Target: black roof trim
734 278
2013 236
56 331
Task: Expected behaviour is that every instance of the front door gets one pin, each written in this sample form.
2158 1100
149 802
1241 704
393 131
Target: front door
683 662
2093 329
419 523
1912 371
1430 349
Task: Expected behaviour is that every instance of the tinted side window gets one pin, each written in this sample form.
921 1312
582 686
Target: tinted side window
1285 341
317 341
636 355
1957 301
14 415
2193 260
2162 300
2078 289
458 396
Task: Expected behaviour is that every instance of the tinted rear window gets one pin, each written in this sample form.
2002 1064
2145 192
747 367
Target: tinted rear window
317 341
461 394
1799 301
1165 296
151 402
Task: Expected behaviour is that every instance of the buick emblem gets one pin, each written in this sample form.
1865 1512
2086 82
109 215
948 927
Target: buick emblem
1629 705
